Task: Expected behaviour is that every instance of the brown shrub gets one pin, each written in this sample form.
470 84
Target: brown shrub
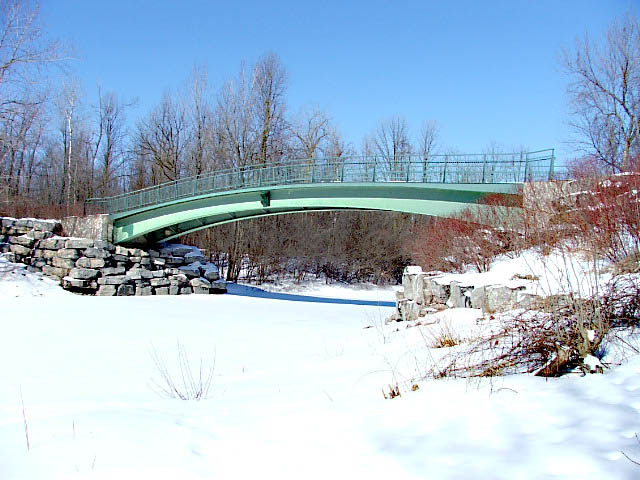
473 238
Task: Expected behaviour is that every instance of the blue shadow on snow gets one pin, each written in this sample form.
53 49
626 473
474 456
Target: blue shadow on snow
247 291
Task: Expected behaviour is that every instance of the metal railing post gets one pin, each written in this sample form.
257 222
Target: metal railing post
552 165
484 168
444 170
425 168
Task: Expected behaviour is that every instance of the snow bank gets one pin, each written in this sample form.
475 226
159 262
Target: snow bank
297 393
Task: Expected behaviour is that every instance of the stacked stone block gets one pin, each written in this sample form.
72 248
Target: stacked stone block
428 292
97 267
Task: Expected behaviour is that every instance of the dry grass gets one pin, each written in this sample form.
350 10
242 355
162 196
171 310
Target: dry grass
444 336
394 391
185 383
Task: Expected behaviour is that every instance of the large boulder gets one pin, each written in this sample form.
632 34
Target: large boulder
70 253
200 286
97 253
66 263
218 286
139 274
47 225
84 273
144 291
79 243
24 240
54 271
500 298
125 290
193 257
20 250
70 283
160 282
108 271
112 280
107 291
53 243
85 262
210 272
192 270
479 298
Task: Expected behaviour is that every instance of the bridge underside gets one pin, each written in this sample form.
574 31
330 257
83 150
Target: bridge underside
163 222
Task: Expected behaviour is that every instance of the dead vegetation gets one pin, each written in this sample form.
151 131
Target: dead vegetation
595 224
442 337
183 382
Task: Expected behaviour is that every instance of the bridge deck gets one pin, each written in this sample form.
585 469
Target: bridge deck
440 185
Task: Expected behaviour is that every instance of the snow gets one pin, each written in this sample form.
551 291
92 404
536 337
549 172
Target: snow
413 270
209 268
557 273
296 393
180 246
16 282
592 363
193 268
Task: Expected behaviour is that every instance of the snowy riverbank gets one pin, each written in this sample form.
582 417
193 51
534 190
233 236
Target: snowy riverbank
296 393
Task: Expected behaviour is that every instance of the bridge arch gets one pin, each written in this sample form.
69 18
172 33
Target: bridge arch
149 225
441 186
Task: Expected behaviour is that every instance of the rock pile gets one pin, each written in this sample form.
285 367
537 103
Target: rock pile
429 292
101 268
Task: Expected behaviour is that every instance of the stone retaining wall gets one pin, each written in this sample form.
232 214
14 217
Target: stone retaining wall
97 267
428 292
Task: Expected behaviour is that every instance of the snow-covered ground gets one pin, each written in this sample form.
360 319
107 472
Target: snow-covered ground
297 393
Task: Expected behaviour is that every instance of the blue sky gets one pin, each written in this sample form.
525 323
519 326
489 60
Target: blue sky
486 71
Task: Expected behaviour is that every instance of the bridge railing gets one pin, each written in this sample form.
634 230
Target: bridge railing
474 168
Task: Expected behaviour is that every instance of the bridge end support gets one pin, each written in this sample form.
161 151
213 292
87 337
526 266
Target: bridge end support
95 227
265 198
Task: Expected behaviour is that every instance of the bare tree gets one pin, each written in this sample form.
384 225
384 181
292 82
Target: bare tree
336 146
605 94
427 143
108 145
68 103
236 137
269 82
15 133
200 118
162 137
23 53
336 150
392 145
310 130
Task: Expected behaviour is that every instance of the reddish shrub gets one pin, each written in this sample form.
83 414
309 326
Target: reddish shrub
450 244
607 215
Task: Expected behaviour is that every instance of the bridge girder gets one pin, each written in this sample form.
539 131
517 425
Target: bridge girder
166 221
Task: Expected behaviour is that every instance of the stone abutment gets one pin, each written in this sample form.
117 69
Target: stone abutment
97 267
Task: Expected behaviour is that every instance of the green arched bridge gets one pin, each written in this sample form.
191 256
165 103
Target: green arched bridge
440 185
